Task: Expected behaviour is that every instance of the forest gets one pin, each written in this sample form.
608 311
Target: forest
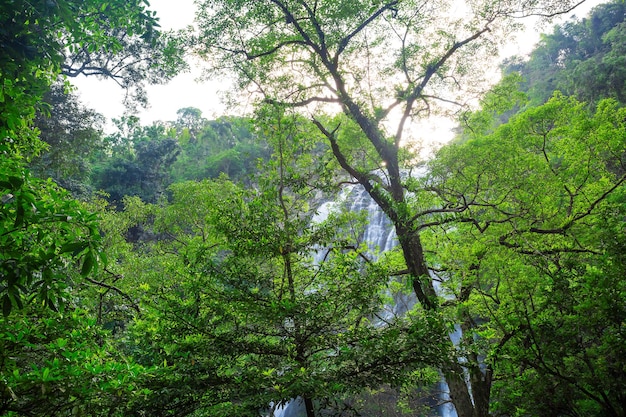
234 267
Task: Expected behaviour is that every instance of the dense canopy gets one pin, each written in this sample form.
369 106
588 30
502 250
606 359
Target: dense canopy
306 258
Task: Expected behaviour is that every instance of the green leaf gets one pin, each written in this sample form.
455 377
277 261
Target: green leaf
6 305
74 247
88 263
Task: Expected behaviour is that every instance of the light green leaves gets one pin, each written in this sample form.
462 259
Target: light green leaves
43 232
527 251
62 360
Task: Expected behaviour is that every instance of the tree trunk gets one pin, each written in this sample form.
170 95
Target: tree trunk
455 375
308 405
410 243
481 389
459 393
413 252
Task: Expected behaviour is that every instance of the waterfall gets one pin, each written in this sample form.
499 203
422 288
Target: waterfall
379 233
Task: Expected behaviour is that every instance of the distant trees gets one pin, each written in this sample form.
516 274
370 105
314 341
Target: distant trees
227 145
72 133
137 161
584 58
144 160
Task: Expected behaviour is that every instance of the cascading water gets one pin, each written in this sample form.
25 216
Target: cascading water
380 237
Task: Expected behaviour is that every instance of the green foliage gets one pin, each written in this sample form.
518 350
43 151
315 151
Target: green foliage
533 255
227 145
45 237
140 161
53 359
62 364
224 300
244 317
72 133
238 314
144 160
584 58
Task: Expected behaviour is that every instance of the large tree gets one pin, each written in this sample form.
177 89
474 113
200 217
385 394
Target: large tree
535 260
384 64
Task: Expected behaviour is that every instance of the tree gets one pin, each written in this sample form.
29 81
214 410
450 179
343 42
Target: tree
140 162
44 234
190 121
53 360
119 40
534 260
581 57
35 37
227 145
63 364
383 64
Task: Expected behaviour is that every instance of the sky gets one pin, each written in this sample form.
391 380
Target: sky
184 91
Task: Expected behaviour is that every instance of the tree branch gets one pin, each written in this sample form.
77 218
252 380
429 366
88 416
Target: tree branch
133 304
346 40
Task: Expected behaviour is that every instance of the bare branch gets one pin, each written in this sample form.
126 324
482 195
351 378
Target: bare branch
431 70
522 14
133 304
270 51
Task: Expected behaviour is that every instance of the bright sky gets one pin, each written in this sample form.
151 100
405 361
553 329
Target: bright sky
106 97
